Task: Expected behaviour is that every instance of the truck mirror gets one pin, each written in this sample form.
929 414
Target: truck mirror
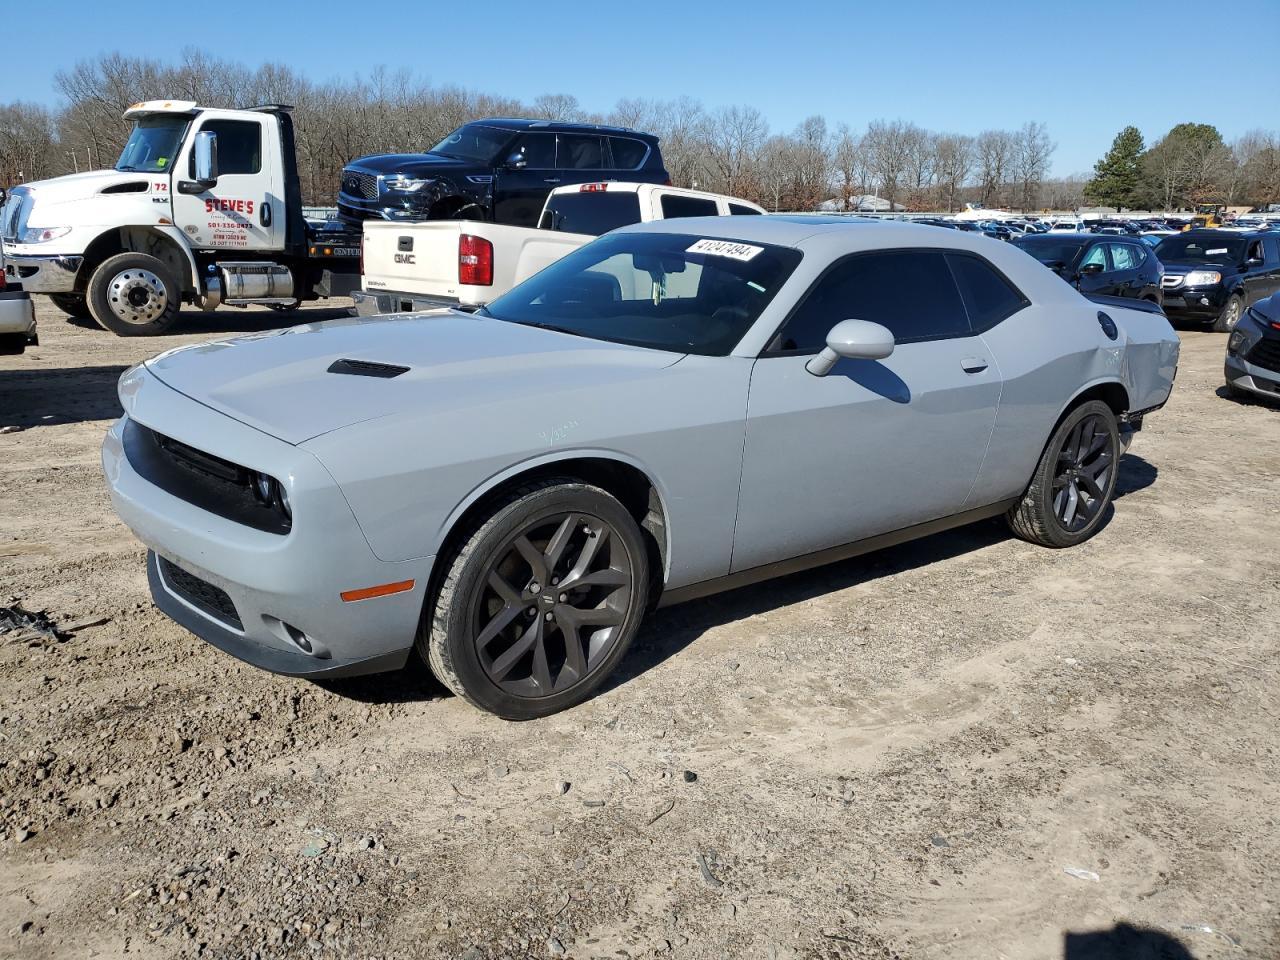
206 156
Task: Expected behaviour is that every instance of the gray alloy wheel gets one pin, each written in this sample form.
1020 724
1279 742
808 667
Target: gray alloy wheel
540 601
1067 499
1230 315
133 295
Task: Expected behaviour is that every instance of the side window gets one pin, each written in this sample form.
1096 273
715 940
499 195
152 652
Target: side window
539 150
738 210
1097 254
987 295
579 151
628 154
909 291
1255 251
239 146
675 205
1124 256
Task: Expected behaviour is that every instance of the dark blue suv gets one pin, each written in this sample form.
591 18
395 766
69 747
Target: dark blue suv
496 170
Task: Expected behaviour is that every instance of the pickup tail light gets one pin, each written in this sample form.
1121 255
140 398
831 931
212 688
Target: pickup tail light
475 261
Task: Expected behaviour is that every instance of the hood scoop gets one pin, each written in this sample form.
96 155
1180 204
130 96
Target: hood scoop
367 368
134 186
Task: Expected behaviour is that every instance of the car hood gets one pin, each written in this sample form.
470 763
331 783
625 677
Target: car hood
415 164
280 382
77 186
1186 266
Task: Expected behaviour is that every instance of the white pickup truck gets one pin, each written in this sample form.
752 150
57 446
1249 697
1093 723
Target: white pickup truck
465 263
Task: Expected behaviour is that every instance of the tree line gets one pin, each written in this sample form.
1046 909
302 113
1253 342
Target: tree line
1190 166
728 149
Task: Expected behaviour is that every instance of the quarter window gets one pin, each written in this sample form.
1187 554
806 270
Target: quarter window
738 210
628 154
239 146
675 205
987 295
579 151
909 291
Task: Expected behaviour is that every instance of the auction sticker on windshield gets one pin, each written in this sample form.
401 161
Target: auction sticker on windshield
725 248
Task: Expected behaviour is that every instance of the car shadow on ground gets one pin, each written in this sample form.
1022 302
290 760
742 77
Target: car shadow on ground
1124 942
45 397
229 320
1245 399
668 631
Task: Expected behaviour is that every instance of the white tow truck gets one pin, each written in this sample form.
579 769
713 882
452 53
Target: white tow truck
203 207
463 263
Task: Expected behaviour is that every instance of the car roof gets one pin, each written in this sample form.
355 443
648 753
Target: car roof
556 126
1223 234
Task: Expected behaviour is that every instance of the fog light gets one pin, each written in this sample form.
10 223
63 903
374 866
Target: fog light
300 639
1236 342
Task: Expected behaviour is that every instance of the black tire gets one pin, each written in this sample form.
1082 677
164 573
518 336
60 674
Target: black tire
488 580
134 295
1082 455
72 304
1230 315
13 344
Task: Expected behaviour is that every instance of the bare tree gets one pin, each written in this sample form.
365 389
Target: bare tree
996 150
888 145
1031 161
953 161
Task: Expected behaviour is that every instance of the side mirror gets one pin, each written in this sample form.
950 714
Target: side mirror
852 340
1089 269
206 157
517 160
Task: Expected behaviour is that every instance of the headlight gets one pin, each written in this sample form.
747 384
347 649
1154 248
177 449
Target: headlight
1202 278
270 492
42 234
402 184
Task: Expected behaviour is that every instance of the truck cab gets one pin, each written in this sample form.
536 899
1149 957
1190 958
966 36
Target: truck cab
202 207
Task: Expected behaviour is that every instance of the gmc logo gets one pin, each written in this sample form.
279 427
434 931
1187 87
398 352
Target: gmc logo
405 258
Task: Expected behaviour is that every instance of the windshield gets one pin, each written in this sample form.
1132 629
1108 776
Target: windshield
668 291
1215 248
1049 249
593 212
473 142
153 144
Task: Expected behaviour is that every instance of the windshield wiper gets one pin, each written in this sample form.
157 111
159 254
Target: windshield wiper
552 327
126 169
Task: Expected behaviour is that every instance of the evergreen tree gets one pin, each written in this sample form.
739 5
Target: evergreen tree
1117 176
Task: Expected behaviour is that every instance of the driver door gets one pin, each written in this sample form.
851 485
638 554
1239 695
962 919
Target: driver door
527 176
875 445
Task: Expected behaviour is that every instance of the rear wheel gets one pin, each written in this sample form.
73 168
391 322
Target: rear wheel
1230 315
540 602
72 304
134 295
1067 499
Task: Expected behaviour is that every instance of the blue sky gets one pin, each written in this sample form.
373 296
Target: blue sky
961 67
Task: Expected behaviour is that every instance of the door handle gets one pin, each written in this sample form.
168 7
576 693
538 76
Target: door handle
552 180
264 214
973 364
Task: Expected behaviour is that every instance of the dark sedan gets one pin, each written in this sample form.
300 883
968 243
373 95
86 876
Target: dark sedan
1099 264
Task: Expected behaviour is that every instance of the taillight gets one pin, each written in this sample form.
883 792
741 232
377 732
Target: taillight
2 280
475 261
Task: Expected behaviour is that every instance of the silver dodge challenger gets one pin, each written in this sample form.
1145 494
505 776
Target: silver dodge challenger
674 409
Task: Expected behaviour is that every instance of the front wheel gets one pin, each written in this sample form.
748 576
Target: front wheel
134 295
72 304
540 602
1230 315
1067 499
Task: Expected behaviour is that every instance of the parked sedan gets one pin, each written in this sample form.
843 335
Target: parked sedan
674 409
1099 264
1253 352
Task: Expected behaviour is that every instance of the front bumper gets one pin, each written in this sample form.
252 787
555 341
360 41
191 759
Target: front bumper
17 314
283 611
1260 381
370 303
53 273
1194 303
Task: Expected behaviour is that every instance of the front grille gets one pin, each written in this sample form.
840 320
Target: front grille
1171 280
200 594
1265 354
358 184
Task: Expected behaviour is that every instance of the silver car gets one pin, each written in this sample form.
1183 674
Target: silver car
674 409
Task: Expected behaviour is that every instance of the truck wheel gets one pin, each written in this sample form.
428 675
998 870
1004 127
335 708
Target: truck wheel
134 295
1230 315
72 304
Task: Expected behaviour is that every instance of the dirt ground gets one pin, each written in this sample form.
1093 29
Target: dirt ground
897 756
